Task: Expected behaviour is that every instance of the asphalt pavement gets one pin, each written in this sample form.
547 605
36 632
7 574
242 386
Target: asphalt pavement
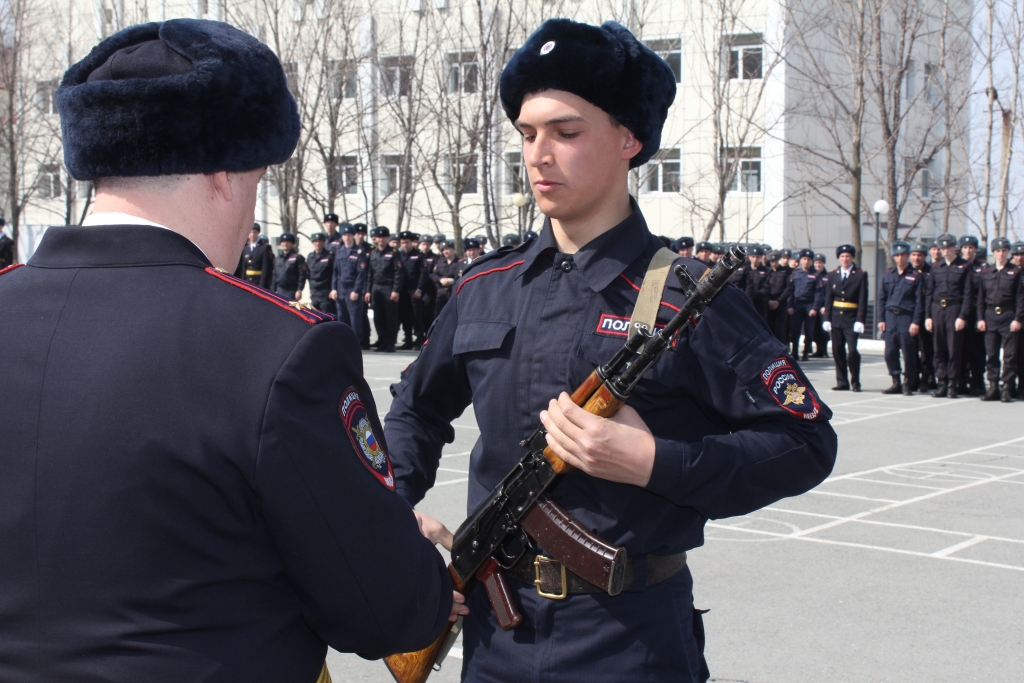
905 565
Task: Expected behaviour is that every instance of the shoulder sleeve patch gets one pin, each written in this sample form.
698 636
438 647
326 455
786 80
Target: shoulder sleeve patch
791 392
368 448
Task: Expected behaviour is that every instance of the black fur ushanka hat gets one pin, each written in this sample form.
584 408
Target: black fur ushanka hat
176 97
605 65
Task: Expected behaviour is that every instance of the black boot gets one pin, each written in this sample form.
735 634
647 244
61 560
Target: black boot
855 386
909 386
1007 396
992 394
930 384
896 388
941 387
953 393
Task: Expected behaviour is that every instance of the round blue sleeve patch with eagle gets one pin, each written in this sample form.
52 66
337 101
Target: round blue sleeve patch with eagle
360 432
790 390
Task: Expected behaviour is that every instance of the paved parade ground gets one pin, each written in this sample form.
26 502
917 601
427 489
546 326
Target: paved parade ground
906 565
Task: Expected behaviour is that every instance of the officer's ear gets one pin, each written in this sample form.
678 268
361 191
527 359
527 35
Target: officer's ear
630 145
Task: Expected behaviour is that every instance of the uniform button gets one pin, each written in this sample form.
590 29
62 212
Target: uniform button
566 266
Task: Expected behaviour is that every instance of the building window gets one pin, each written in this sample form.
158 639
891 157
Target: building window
514 180
663 173
343 79
48 185
462 72
464 175
746 56
291 73
84 188
748 177
910 80
671 50
343 176
45 97
392 171
396 76
932 81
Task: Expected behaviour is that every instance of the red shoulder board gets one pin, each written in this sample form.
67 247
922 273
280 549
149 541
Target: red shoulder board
10 268
310 315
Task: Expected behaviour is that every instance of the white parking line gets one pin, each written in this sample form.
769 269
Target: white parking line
940 458
451 481
959 546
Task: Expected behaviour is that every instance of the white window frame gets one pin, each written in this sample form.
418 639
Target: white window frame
463 68
671 50
392 169
49 183
396 76
751 165
513 169
472 187
738 46
657 173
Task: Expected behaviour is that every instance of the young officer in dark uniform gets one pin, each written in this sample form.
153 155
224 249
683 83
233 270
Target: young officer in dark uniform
410 302
350 274
331 230
972 377
427 288
366 248
709 434
757 281
383 287
804 304
258 257
926 344
320 264
704 252
684 246
846 305
446 272
289 269
821 337
901 303
1000 313
948 302
183 500
780 289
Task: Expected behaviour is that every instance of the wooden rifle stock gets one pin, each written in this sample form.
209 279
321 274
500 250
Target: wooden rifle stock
595 398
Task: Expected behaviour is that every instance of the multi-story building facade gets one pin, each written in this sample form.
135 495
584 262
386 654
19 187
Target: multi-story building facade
402 125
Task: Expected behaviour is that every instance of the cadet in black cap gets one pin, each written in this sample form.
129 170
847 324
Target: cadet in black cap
349 282
183 499
366 248
320 265
805 302
926 343
704 254
972 378
756 285
471 247
526 325
511 240
821 337
384 286
290 271
901 305
427 288
948 304
780 290
439 241
1000 313
845 309
257 263
787 261
684 246
529 235
410 302
446 271
331 228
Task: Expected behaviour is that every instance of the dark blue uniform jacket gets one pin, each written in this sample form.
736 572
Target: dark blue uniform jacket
350 267
527 323
180 500
904 293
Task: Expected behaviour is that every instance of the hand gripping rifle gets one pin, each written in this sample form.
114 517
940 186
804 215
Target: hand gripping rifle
497 533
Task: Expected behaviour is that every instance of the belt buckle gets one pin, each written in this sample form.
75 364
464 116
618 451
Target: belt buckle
998 310
942 302
537 580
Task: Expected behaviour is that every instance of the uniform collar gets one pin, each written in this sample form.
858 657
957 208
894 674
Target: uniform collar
106 246
606 256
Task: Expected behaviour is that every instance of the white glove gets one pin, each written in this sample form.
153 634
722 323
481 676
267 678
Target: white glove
858 328
827 326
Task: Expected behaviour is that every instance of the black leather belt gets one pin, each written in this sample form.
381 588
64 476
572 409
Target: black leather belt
556 582
949 302
999 310
898 311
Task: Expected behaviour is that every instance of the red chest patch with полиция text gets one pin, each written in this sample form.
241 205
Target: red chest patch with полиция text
360 432
789 390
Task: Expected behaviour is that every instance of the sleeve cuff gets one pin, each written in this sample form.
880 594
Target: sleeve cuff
667 472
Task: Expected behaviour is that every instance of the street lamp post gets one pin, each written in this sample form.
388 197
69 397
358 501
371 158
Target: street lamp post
881 206
519 201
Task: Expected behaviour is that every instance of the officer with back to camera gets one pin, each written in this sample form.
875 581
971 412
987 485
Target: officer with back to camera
1000 313
901 304
845 309
184 500
320 266
948 301
384 285
526 325
919 261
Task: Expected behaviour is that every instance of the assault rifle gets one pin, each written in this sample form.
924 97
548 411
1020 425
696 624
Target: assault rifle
497 534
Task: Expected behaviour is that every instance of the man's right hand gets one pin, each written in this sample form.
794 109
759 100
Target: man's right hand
354 296
436 532
772 305
928 324
366 298
333 295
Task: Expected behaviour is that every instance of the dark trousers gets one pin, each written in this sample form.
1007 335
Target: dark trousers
365 308
927 352
777 322
406 317
820 336
998 337
844 347
973 372
322 302
802 322
949 344
897 338
351 313
385 316
443 294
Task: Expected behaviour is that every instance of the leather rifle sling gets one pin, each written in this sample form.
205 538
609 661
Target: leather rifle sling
648 301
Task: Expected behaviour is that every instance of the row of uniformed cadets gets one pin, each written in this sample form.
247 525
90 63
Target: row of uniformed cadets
939 314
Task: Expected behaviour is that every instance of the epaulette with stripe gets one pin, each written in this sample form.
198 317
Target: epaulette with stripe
10 268
304 311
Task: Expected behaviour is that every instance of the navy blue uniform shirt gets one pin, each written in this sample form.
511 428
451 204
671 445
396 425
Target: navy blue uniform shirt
736 423
350 269
904 293
806 285
181 499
